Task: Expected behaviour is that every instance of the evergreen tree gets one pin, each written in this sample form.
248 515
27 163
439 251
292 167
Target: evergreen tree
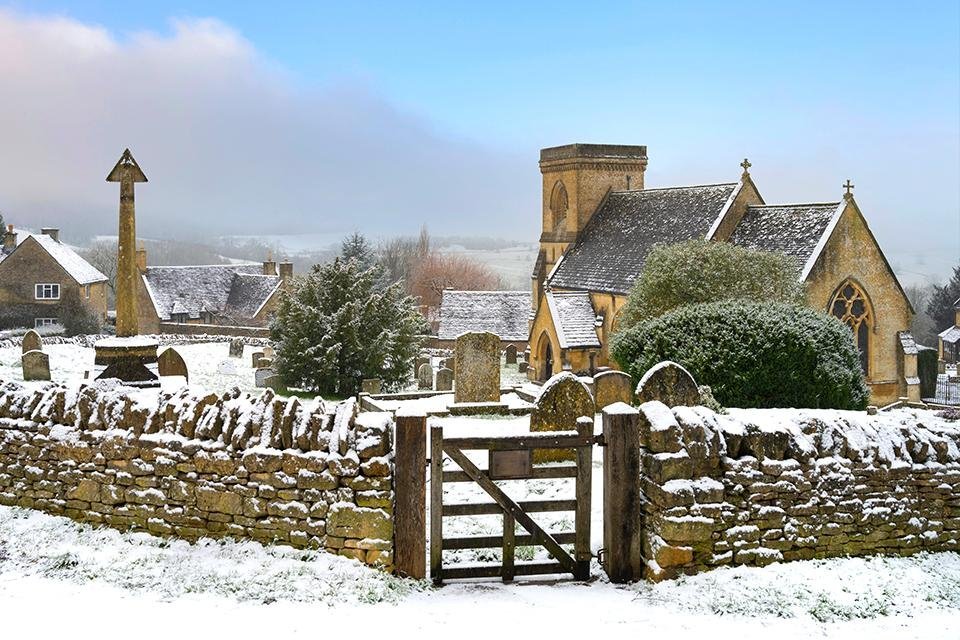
339 325
357 247
943 300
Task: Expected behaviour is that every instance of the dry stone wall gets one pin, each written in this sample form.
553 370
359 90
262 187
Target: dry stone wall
266 468
754 487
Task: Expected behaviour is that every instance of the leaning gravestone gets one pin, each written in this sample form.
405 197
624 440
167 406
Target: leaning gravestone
371 385
36 365
477 367
170 363
444 380
255 359
669 383
260 377
612 386
31 342
425 376
236 348
562 400
510 353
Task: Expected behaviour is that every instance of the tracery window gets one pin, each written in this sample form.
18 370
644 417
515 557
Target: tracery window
850 305
559 203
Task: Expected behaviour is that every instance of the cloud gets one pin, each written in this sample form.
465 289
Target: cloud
229 141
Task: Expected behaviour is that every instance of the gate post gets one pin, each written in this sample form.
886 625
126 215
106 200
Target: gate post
410 485
622 495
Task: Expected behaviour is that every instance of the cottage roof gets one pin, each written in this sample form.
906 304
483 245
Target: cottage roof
574 319
791 229
75 266
610 252
505 313
238 289
951 335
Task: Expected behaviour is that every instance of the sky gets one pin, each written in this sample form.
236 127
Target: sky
278 118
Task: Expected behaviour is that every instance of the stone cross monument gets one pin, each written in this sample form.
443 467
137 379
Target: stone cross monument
127 172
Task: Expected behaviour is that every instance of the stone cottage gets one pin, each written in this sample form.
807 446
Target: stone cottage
599 223
39 275
234 299
948 341
504 313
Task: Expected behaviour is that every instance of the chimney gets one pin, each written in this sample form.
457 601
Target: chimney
141 258
53 232
9 240
286 272
269 268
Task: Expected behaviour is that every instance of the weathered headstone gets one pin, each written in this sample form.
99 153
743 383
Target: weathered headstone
268 352
562 400
260 377
522 366
265 363
612 386
371 385
236 348
669 383
425 376
255 359
477 367
419 362
444 380
170 363
36 365
273 382
32 342
227 368
510 353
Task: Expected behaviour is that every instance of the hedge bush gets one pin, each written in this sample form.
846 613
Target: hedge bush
753 354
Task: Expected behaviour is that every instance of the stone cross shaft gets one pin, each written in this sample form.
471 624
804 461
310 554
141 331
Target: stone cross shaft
127 172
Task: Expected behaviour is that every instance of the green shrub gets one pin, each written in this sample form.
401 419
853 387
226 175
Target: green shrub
699 271
753 354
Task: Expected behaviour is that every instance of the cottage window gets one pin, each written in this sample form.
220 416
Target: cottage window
86 291
49 291
851 306
43 322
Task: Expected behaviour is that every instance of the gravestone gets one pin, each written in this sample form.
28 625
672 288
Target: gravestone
227 368
236 348
419 362
444 380
522 366
170 363
669 383
260 377
36 365
477 367
448 363
511 354
268 352
265 363
255 359
562 399
371 385
273 382
612 386
31 342
425 376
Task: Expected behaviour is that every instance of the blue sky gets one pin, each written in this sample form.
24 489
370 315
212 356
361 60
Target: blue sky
812 92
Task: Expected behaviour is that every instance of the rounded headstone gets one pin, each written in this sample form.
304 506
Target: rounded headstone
562 399
669 383
36 365
444 380
31 341
612 386
510 354
425 376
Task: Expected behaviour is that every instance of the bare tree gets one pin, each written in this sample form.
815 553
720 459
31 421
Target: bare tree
102 254
439 271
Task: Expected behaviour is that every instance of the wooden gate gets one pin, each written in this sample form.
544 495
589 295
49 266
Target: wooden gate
510 458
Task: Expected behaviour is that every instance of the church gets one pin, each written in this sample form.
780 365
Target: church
599 222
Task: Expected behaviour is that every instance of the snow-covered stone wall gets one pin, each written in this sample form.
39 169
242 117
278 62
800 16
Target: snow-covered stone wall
265 468
755 487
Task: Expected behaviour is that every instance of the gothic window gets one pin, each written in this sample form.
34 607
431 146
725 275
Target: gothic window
558 206
850 305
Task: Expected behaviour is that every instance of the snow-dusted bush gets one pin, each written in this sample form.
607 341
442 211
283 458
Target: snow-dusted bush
699 271
753 354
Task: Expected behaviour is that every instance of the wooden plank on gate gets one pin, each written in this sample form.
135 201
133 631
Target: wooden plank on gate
486 508
547 440
494 570
540 472
508 505
583 489
509 546
494 542
410 517
436 503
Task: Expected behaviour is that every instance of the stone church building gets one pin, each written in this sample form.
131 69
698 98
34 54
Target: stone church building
599 223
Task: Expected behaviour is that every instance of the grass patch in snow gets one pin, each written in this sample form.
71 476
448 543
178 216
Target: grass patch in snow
825 590
33 543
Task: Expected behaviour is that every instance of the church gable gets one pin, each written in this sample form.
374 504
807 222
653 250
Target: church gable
795 230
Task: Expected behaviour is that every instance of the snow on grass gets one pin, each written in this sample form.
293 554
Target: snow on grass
37 544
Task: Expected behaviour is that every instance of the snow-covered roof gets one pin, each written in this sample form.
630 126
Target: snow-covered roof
505 313
610 252
951 335
574 319
238 290
907 342
790 229
76 267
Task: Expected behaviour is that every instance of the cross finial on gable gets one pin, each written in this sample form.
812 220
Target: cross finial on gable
746 166
849 187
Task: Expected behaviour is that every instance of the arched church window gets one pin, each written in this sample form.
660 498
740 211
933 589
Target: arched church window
851 306
559 204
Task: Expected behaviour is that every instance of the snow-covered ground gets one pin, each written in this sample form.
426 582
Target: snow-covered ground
58 577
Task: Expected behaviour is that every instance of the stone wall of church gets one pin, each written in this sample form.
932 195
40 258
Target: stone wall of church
263 468
853 253
756 487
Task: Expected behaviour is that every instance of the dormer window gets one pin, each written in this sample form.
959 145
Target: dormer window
47 291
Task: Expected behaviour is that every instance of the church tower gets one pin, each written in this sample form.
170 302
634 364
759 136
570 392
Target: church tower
576 177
